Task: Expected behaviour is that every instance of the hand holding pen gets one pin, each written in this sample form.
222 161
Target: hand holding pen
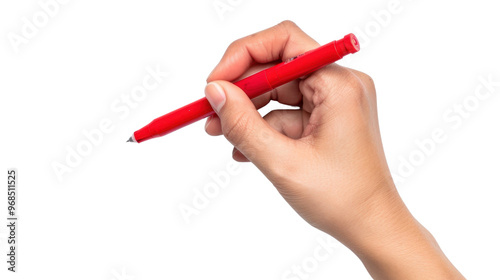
325 157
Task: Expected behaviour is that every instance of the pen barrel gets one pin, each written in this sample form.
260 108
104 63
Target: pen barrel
296 67
174 120
311 61
254 85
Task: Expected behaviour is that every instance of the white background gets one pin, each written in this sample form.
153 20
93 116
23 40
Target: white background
116 214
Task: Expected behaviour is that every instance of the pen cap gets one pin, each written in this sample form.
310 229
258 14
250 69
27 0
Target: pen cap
348 44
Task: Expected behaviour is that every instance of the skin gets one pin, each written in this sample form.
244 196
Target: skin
325 158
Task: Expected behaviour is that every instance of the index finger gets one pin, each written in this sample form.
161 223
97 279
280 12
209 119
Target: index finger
280 42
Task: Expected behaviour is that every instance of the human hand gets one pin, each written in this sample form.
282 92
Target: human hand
325 158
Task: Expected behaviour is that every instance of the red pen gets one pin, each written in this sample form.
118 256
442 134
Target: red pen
255 85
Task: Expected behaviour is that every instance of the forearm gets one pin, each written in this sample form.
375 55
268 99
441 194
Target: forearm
392 244
412 254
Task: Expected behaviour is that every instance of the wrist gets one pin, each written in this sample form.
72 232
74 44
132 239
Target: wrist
392 244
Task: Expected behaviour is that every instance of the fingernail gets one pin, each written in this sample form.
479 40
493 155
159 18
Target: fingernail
215 95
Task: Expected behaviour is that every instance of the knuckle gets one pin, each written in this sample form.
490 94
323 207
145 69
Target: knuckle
321 80
354 89
237 44
318 87
350 87
352 82
366 81
288 24
359 94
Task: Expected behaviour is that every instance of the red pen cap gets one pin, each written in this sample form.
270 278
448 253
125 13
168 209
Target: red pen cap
348 44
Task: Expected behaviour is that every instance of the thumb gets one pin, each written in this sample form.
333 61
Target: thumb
243 126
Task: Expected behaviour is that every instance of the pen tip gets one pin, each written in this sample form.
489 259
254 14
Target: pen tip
131 140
